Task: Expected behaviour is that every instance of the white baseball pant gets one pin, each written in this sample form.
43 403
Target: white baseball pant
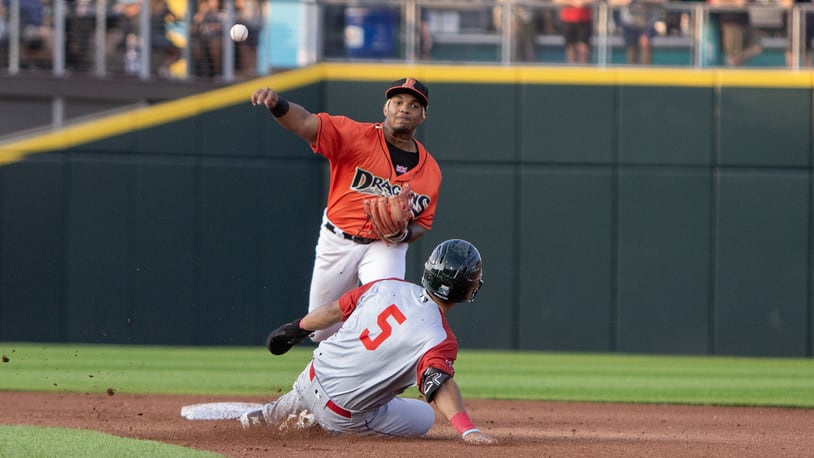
341 265
399 417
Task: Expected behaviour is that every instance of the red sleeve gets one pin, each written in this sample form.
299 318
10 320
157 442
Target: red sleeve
349 300
441 356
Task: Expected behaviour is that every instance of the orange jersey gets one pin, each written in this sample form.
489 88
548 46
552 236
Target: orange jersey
360 168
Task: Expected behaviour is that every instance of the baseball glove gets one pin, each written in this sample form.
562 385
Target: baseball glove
390 215
286 336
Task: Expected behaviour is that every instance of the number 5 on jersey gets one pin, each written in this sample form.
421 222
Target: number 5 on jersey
386 330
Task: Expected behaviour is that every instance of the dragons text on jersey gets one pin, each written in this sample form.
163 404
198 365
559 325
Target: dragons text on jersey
367 183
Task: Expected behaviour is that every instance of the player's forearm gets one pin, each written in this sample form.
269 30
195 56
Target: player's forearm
450 403
288 114
416 232
323 317
448 399
299 121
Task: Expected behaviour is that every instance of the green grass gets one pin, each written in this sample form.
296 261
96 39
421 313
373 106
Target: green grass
640 379
224 371
148 369
783 382
23 441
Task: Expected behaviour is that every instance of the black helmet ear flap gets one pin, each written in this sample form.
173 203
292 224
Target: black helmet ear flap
453 271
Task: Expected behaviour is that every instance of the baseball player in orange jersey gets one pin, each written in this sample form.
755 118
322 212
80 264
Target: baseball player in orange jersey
367 160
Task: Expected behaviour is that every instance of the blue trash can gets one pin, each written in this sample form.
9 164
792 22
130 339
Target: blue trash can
370 33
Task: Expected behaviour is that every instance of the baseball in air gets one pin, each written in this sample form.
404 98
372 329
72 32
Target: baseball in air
239 32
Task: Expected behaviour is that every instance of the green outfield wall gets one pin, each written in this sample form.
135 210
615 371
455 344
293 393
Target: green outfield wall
617 210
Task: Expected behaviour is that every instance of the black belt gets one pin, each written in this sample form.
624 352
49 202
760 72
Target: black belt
355 238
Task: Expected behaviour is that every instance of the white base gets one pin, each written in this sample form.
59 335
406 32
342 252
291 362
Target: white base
218 410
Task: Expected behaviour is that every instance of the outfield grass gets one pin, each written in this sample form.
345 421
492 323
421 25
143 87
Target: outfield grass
782 382
640 379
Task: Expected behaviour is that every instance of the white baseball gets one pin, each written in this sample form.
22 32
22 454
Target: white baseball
239 32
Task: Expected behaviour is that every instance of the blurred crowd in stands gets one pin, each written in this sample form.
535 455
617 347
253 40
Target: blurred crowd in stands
122 44
194 44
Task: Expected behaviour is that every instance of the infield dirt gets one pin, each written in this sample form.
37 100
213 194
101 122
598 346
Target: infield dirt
525 429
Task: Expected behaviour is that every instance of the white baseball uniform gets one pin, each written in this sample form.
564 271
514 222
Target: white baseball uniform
349 252
391 333
341 265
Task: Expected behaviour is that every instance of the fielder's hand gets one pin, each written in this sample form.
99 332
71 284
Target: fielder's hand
265 96
479 438
286 336
390 215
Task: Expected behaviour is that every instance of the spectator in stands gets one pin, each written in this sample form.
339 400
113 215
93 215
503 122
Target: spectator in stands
548 21
806 35
164 53
208 38
249 14
523 27
577 27
740 41
79 40
425 38
4 26
122 33
36 36
637 19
